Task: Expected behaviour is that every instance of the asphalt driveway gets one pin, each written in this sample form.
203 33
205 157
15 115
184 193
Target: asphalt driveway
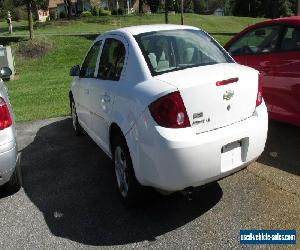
69 199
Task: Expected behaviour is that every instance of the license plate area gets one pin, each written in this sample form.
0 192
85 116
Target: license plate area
232 155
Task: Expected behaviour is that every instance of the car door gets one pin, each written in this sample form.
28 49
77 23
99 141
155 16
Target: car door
257 49
112 60
82 93
286 85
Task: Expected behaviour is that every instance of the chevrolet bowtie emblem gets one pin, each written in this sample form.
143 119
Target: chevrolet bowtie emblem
228 95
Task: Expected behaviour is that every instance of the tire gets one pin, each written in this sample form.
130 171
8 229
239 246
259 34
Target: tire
75 123
15 182
130 190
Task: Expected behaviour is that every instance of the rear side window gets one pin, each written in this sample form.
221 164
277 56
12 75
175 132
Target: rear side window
112 60
259 40
172 50
89 65
291 39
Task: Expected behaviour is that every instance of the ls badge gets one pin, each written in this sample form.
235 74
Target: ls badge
228 95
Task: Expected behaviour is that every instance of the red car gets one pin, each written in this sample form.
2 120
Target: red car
273 48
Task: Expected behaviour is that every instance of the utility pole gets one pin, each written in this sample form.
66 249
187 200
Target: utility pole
182 12
166 11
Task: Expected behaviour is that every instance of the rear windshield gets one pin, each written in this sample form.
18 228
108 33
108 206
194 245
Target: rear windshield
173 50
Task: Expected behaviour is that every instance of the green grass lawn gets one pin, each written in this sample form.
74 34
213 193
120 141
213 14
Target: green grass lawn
100 24
41 88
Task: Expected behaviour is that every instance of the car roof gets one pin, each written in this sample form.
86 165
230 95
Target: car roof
283 20
135 30
291 19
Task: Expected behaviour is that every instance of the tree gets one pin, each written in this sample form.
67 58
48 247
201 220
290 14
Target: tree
188 6
31 6
262 8
140 6
68 3
6 5
95 3
154 5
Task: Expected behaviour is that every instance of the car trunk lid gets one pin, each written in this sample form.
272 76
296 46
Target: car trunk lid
215 95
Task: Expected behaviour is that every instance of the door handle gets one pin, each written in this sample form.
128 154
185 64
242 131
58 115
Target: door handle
106 98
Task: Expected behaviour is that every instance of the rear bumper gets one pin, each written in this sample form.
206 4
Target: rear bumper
9 159
174 159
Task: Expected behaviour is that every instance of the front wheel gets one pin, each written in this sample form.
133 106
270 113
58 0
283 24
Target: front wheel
129 188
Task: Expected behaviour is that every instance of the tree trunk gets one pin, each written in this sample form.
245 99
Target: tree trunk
68 4
69 11
30 19
140 6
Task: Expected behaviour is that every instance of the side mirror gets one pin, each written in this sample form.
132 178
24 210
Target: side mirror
75 71
5 72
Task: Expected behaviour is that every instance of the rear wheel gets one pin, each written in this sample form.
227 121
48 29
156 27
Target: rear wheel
129 188
15 182
75 123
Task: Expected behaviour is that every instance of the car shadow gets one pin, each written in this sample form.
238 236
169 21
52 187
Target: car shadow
282 149
71 181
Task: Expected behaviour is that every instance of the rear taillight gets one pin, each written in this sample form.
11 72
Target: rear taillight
5 119
169 111
259 91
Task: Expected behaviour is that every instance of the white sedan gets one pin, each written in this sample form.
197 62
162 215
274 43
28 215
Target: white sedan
170 106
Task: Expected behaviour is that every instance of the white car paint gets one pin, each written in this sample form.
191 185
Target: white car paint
9 157
166 158
172 160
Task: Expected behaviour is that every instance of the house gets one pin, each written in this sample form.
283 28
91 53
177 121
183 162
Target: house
127 5
114 4
59 8
219 12
42 15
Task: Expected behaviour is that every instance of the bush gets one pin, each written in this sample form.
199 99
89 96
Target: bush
95 11
117 12
104 13
52 15
20 14
86 14
35 48
154 5
62 15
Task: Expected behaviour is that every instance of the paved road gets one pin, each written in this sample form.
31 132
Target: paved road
69 199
